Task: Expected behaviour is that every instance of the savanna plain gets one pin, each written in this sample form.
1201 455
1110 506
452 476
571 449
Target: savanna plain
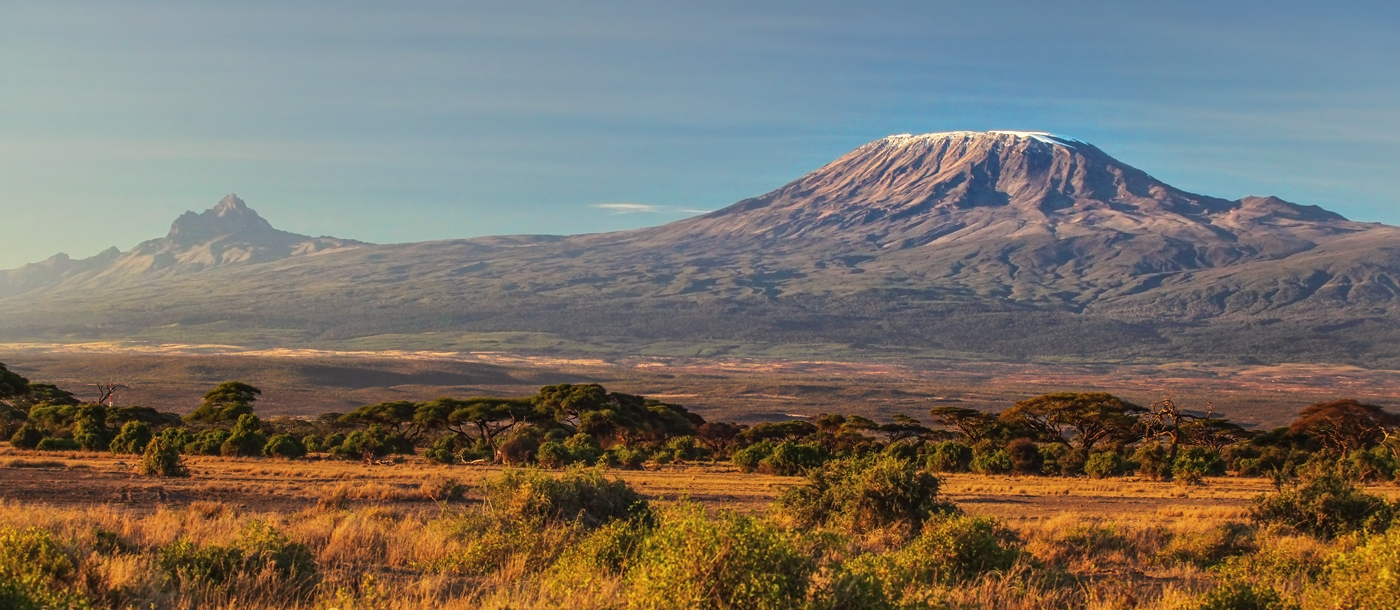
591 486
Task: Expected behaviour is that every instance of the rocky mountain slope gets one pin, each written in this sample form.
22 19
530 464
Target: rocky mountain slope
999 244
228 233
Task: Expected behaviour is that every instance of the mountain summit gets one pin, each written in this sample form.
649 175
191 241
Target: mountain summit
1001 244
228 233
231 216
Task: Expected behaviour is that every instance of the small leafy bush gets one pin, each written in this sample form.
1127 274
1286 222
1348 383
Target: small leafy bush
1193 464
992 462
950 456
1105 464
162 460
695 560
284 446
554 454
582 495
865 494
748 458
1237 595
27 437
627 458
208 442
259 547
950 550
1025 456
132 439
37 572
1365 578
50 443
793 459
246 439
1209 547
1325 504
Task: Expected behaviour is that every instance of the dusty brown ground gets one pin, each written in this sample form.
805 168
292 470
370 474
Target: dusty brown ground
83 479
308 382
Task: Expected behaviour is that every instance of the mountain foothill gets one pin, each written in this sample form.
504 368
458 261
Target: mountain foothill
1004 245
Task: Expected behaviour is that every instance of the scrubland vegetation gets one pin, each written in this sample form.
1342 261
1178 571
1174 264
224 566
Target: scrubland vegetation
865 523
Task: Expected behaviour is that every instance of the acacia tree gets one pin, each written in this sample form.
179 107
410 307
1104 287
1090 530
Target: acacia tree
226 402
487 417
12 385
1165 418
974 425
1075 418
903 428
1346 425
397 417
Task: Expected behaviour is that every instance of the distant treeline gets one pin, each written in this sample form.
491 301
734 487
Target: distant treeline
1066 434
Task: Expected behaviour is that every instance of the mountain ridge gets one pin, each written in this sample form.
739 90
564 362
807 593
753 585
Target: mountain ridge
1007 244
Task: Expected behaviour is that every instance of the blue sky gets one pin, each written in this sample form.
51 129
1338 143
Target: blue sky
409 121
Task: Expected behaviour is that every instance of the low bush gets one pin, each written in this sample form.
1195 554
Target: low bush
554 454
132 439
865 494
246 439
1209 547
748 458
724 561
259 548
1237 595
950 456
793 459
27 436
1153 461
1366 577
1105 464
1326 503
1025 456
627 458
949 550
209 442
582 495
50 443
37 572
284 446
1193 464
162 460
991 462
596 560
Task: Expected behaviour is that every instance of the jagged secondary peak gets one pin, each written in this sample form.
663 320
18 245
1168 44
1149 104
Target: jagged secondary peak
231 215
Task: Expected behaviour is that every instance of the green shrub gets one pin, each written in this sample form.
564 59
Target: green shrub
1105 464
950 456
313 444
162 460
1242 596
442 451
865 494
1195 463
748 458
90 428
603 555
950 550
27 437
1152 461
584 448
50 443
1209 547
992 462
246 439
554 454
370 444
1025 456
1325 504
208 442
726 561
132 439
259 548
37 572
284 446
582 495
1366 577
793 459
628 458
177 437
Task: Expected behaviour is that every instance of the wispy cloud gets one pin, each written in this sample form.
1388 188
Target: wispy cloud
645 208
627 208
